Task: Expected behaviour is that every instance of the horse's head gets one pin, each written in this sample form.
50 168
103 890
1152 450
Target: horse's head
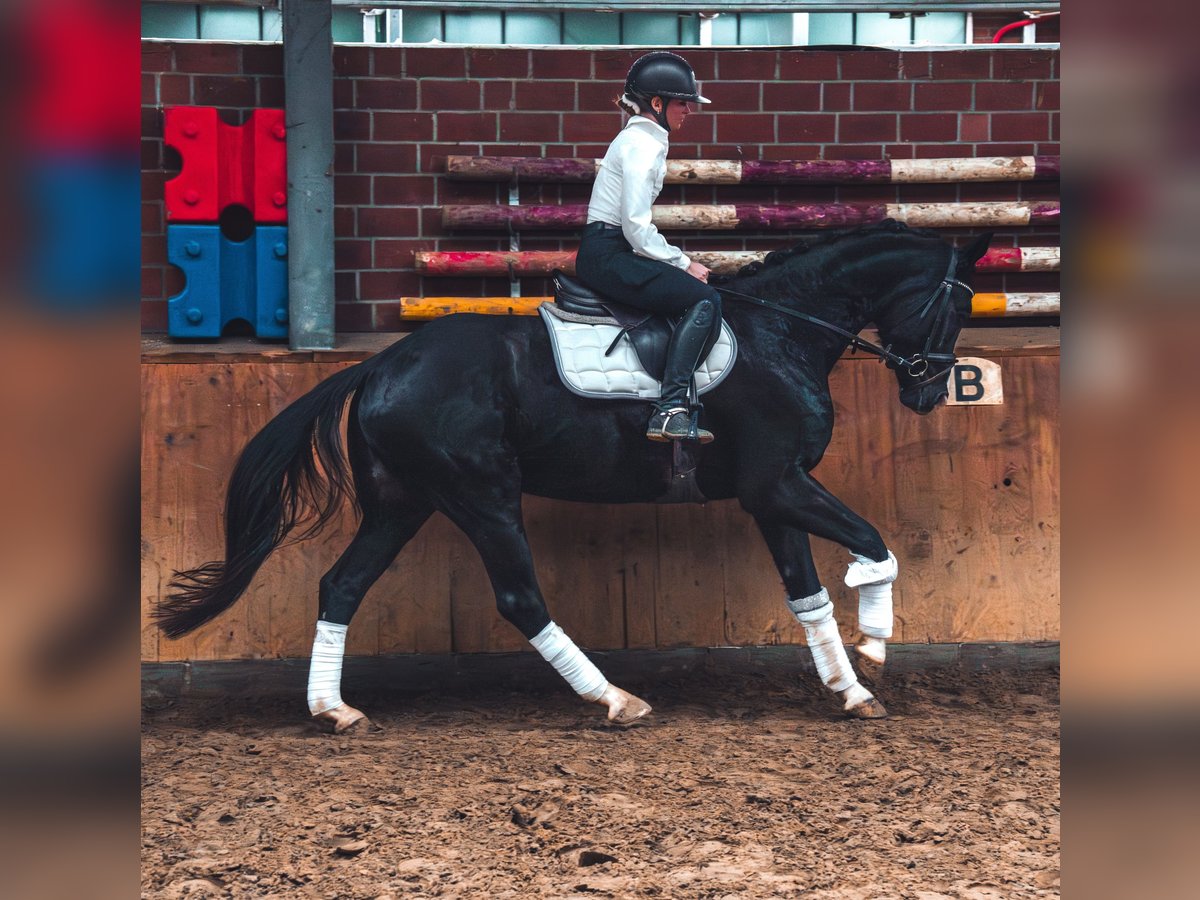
921 320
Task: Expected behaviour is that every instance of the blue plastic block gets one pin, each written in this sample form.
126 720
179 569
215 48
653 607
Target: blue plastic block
228 280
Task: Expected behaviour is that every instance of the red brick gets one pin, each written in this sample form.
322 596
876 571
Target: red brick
853 151
942 95
1022 64
152 281
404 190
961 64
740 128
791 96
392 126
432 157
1048 149
387 93
351 254
466 126
974 128
439 95
940 151
345 286
870 64
353 317
835 97
344 221
583 127
882 95
151 154
152 186
808 65
813 128
271 93
529 127
866 127
388 62
175 90
704 64
915 64
154 314
610 65
207 57
471 192
262 59
574 64
351 125
1004 149
594 96
343 157
174 281
747 65
929 127
498 95
990 95
386 285
149 89
1046 95
898 151
351 190
497 63
791 151
219 90
395 221
152 218
1055 131
351 60
1020 127
735 96
157 56
399 254
400 158
555 96
429 62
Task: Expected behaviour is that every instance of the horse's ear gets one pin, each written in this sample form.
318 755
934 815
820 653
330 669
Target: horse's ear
975 250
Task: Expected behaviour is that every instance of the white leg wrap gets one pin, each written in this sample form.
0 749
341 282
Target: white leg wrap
568 660
874 582
325 669
821 631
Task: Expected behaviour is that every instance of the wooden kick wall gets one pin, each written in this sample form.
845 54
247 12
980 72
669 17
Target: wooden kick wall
967 497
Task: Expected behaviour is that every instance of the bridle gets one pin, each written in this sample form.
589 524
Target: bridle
917 365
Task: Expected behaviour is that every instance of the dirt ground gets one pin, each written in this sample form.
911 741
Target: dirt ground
742 786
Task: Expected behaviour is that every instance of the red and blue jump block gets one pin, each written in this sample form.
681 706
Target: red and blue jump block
228 280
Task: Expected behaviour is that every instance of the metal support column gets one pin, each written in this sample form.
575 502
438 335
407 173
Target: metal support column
308 98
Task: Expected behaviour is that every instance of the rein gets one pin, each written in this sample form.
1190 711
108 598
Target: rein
918 364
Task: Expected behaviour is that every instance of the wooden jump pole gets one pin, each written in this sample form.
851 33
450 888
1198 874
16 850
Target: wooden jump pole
724 262
754 217
421 309
732 171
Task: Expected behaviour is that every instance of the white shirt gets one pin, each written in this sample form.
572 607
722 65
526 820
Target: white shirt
629 180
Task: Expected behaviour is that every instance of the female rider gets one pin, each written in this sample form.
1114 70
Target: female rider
622 253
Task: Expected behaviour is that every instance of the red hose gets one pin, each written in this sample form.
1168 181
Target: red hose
1021 24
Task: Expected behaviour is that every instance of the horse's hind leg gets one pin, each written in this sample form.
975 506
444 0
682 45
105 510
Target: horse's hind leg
494 525
381 536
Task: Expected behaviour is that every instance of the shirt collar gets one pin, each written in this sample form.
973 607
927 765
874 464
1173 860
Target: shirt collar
649 126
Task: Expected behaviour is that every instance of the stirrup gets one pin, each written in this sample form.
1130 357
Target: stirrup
675 424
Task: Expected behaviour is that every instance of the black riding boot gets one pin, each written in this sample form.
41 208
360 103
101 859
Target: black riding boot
672 420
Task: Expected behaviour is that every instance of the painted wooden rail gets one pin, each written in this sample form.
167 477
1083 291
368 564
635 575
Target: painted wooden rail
421 309
754 217
733 171
515 263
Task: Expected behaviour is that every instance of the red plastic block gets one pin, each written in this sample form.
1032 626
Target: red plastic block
227 164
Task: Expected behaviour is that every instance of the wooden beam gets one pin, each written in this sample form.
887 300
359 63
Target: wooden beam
753 217
423 309
734 171
517 263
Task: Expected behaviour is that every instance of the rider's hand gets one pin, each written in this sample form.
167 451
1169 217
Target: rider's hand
698 271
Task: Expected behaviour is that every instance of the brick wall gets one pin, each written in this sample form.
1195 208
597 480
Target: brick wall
400 111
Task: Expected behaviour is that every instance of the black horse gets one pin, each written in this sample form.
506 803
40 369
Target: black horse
467 414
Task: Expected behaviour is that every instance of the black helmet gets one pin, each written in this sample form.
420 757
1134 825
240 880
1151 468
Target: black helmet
663 74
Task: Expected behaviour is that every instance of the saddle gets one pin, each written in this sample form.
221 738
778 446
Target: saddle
604 348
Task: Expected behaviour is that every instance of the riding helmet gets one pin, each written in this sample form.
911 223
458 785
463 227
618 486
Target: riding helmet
663 74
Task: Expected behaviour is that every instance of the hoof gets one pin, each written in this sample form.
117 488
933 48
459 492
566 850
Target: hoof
623 707
868 709
341 719
871 650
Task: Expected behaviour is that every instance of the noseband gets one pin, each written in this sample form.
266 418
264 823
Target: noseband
916 365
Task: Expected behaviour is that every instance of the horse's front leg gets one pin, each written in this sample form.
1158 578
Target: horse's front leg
810 604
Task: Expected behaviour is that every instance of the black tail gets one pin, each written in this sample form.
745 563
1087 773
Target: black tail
277 485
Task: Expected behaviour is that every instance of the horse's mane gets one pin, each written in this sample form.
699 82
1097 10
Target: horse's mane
784 255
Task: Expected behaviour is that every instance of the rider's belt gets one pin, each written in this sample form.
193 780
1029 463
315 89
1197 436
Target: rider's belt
601 226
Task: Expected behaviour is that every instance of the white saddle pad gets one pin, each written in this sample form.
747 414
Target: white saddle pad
585 370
